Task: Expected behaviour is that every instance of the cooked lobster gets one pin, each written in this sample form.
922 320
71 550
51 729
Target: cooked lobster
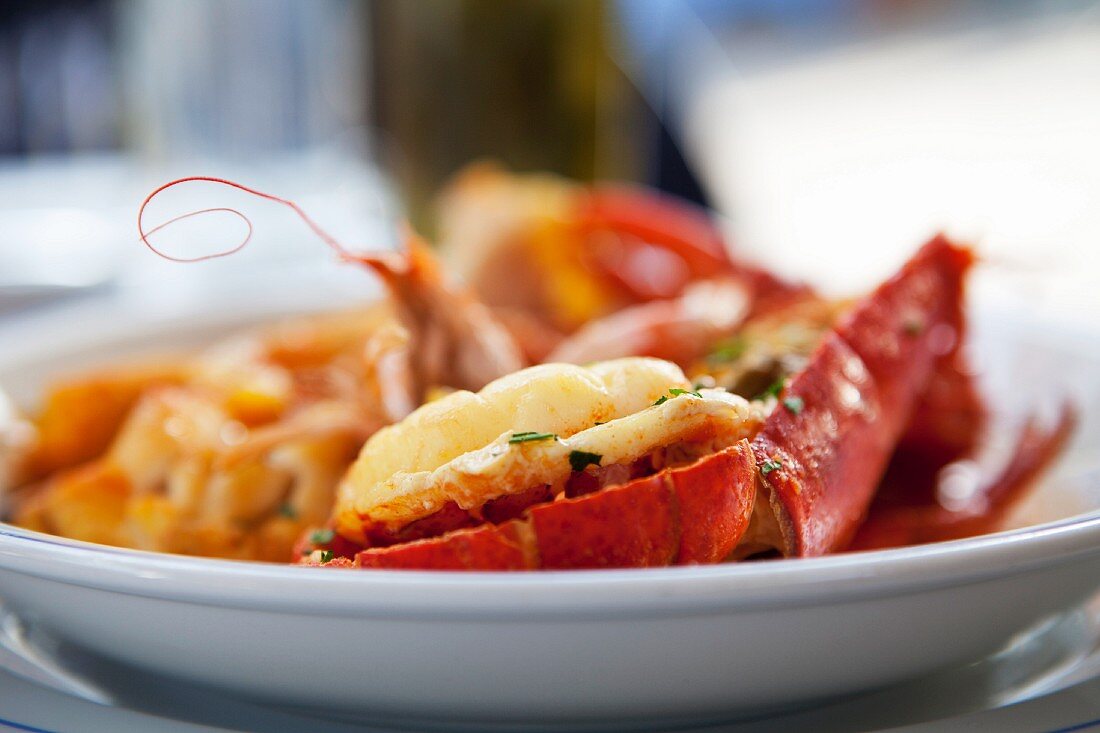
723 413
642 468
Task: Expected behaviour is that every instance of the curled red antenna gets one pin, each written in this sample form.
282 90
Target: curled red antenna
316 228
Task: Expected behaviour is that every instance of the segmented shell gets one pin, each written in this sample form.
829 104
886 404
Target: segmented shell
457 449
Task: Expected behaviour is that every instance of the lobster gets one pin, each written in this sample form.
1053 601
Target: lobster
898 349
838 426
793 473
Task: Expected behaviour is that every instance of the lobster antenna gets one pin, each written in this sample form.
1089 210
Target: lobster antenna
144 233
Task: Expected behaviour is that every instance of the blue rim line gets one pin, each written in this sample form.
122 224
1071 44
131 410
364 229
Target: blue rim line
33 729
1080 726
20 726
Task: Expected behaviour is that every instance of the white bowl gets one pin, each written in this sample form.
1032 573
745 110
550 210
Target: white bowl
629 646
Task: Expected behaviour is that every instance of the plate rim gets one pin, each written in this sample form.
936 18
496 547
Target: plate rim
635 592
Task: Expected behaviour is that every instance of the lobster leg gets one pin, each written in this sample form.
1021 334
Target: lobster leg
908 323
685 515
929 520
950 417
821 463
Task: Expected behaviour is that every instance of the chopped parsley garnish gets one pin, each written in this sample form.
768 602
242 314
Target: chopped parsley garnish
321 536
326 556
773 389
729 350
529 436
769 465
286 510
675 392
913 326
794 404
578 459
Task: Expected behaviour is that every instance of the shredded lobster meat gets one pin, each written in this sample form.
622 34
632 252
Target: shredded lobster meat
234 455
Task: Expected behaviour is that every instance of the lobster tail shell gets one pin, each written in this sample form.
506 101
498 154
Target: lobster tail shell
688 515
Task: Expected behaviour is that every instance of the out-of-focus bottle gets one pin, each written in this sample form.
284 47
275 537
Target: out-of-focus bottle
530 83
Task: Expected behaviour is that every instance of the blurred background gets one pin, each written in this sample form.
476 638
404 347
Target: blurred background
832 136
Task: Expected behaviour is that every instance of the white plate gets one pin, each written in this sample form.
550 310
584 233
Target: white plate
1045 680
629 646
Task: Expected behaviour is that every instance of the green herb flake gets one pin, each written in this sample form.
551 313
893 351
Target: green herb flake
286 510
773 389
913 326
794 404
729 350
529 436
326 556
321 536
769 465
578 459
676 392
